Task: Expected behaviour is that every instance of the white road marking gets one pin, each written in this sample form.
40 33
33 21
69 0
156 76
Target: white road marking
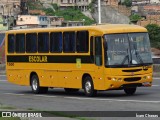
94 99
2 75
28 95
113 100
13 94
155 85
44 96
3 81
156 78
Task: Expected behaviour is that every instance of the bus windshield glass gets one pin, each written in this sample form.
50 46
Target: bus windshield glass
131 49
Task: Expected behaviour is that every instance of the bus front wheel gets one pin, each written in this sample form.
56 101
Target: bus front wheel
89 87
130 91
36 87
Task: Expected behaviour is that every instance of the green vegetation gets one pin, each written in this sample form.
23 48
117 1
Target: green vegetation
134 18
55 6
13 118
30 109
74 15
91 6
127 3
71 14
49 11
154 35
34 5
6 107
62 114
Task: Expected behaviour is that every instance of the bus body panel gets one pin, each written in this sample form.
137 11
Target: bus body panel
53 75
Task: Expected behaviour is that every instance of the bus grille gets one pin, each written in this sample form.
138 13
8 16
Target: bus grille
132 79
132 85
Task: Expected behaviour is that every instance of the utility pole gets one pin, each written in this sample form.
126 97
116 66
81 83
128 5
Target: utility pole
99 11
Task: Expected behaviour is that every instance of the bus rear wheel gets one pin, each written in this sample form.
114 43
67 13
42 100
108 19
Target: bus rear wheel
71 90
36 87
130 91
89 87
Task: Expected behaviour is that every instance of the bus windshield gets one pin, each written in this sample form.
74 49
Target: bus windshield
131 49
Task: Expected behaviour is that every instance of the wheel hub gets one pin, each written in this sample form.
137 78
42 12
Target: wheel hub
88 87
34 84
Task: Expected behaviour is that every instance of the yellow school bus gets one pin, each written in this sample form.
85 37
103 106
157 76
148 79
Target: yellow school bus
97 57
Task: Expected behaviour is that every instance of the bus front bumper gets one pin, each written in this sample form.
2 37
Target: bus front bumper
120 82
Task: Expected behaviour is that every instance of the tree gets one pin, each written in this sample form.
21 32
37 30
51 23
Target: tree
49 11
154 34
127 3
134 18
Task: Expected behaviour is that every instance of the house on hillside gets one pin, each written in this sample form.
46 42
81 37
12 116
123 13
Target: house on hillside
10 2
80 4
140 2
32 21
9 7
150 13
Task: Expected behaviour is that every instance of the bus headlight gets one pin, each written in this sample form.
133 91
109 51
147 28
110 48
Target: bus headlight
114 79
149 77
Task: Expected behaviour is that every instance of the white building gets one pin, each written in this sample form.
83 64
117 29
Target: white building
154 1
32 21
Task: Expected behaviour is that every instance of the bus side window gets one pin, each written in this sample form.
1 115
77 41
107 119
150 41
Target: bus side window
56 42
98 51
82 42
91 49
69 41
20 43
31 42
11 43
43 42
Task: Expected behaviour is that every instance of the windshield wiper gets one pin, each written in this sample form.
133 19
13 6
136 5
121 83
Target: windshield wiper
126 58
138 56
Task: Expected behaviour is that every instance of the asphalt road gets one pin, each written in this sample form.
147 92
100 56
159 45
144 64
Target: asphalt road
145 99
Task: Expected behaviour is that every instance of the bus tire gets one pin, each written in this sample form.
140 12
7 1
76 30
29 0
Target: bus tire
71 90
36 87
130 91
89 87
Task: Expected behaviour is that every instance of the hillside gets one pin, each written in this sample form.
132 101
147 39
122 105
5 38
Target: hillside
109 14
70 13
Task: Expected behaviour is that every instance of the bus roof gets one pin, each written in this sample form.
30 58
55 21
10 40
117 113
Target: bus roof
103 28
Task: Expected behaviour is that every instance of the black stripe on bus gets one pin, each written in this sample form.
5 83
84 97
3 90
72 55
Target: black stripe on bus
49 59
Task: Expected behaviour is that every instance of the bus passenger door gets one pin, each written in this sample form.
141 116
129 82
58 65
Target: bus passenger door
98 79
